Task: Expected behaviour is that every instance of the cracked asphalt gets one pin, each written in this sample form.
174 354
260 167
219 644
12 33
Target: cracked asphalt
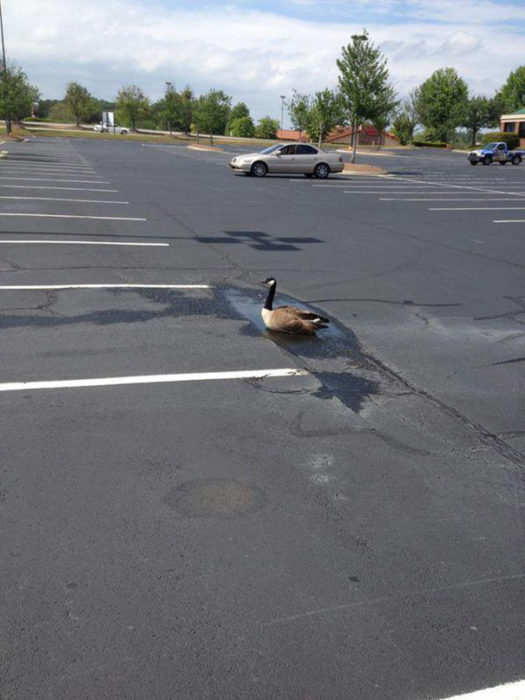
352 532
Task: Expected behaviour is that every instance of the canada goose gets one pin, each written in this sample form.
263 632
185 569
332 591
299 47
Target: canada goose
289 319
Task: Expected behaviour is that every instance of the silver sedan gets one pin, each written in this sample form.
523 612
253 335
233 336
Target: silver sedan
288 158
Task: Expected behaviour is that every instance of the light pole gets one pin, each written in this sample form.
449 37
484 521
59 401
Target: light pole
5 90
168 90
283 97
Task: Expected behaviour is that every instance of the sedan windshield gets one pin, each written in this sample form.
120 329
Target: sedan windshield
271 149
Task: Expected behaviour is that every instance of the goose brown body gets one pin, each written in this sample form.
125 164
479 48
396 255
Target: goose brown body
289 319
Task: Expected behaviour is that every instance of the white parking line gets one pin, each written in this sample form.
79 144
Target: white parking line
50 187
63 199
507 691
405 190
52 179
449 199
32 287
48 242
476 209
451 186
50 168
74 216
152 379
509 221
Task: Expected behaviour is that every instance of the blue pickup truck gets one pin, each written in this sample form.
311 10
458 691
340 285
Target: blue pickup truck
496 152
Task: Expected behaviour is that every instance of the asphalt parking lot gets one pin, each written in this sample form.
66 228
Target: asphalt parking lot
193 507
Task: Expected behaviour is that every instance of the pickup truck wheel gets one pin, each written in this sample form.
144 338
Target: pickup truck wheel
487 160
516 160
473 162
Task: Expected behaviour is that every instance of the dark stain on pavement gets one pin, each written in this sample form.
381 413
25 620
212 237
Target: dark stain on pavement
215 498
259 240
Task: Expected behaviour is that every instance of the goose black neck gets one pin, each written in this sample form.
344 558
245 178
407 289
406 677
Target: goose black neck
269 298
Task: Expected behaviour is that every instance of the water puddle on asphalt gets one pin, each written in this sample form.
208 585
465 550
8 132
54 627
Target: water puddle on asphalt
334 356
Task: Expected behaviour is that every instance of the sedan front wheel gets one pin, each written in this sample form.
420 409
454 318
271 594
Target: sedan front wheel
259 169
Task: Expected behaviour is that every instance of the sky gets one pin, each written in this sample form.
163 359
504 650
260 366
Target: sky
253 50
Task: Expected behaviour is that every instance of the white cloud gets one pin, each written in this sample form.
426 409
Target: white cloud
253 55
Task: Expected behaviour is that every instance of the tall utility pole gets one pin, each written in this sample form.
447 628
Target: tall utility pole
168 90
6 89
283 97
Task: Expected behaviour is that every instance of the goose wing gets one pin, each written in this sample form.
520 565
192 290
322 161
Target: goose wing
287 322
305 315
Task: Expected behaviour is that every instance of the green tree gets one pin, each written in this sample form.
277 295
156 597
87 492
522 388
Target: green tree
299 109
211 112
239 111
241 126
513 91
79 102
363 83
132 105
442 102
380 123
403 127
186 108
59 112
267 128
480 112
169 108
326 112
406 118
17 95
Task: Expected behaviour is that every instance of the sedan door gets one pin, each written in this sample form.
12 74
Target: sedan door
283 160
305 158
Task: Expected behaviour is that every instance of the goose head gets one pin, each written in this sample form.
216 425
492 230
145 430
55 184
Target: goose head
270 281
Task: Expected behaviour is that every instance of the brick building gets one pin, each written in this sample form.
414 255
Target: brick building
366 136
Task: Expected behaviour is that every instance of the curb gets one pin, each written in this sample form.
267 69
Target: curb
205 148
362 169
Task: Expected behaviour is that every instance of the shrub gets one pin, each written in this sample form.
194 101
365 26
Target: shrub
512 140
430 144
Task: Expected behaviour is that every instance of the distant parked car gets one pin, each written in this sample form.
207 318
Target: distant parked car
496 152
289 158
111 129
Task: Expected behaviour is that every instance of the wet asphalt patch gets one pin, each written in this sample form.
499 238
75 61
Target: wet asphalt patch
334 356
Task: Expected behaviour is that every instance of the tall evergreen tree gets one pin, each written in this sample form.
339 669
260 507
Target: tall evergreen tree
363 83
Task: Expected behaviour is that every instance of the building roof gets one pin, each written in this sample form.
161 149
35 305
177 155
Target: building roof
513 114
